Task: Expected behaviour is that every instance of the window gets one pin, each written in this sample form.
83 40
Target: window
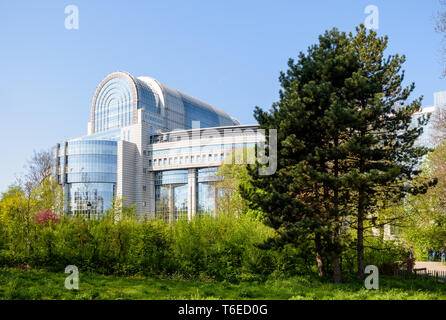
117 112
192 159
144 188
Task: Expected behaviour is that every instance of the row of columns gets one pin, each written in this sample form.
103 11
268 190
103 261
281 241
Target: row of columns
192 195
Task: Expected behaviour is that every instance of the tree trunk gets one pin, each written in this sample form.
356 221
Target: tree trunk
360 241
319 261
381 232
28 227
360 230
337 276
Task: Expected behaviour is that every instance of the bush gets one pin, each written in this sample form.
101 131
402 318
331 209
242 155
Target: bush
205 248
46 218
378 252
222 248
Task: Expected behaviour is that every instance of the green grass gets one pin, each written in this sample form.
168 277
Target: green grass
38 284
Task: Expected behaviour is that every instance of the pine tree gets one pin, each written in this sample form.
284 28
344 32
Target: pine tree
382 158
340 140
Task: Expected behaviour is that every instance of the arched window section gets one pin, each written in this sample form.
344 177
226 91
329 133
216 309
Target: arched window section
114 105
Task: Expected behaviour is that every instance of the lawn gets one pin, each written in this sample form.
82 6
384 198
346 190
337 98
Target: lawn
38 284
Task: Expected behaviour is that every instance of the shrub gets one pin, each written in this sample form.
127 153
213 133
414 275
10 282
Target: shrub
378 252
206 247
45 218
219 247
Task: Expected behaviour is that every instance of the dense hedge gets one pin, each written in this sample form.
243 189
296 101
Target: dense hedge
206 247
223 248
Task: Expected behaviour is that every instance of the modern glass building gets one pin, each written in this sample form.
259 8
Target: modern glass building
151 145
120 95
87 169
427 139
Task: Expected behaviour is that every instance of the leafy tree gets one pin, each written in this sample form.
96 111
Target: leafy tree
46 218
230 201
12 203
425 214
36 190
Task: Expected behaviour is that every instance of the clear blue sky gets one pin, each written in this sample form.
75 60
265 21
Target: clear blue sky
228 53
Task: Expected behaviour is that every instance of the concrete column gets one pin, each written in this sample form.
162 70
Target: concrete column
151 193
192 193
126 173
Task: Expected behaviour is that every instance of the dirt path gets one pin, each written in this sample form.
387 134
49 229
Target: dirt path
430 266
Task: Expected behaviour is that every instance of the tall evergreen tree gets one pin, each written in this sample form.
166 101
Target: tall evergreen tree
340 140
382 157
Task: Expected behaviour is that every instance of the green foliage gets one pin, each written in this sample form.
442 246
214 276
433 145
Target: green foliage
376 252
18 207
207 247
38 284
345 143
424 223
230 200
224 246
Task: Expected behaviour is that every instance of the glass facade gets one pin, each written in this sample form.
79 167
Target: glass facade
206 114
90 175
427 138
193 112
114 105
89 199
440 99
87 167
207 194
171 194
114 135
180 201
147 98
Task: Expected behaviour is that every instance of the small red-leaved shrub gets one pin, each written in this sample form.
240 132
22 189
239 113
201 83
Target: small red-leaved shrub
45 217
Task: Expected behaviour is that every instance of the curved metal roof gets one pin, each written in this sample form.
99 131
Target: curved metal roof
166 98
